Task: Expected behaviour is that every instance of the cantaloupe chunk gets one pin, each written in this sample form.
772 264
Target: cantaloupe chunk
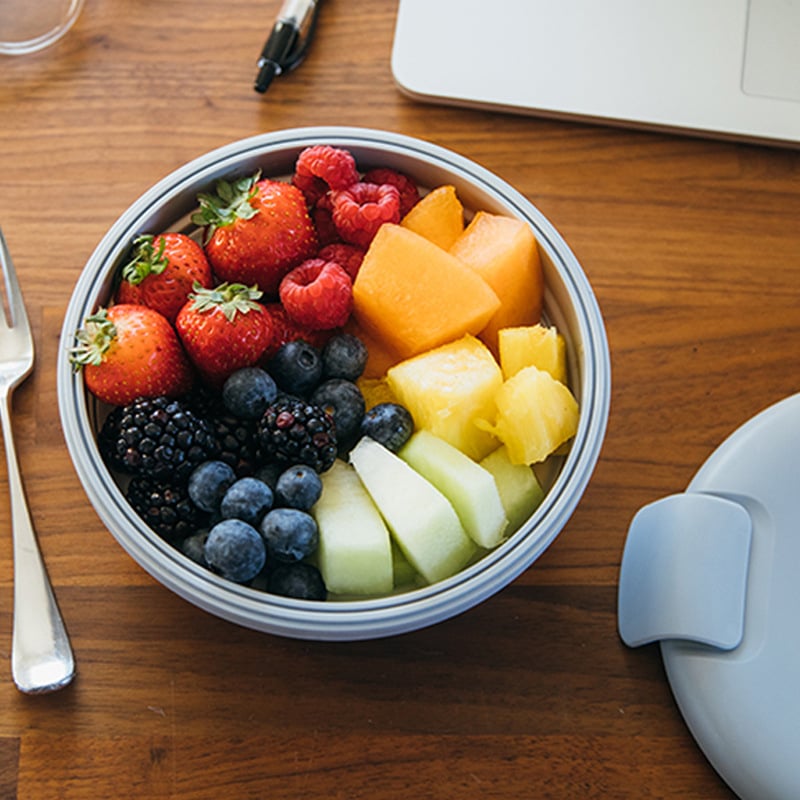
380 357
503 251
439 216
412 295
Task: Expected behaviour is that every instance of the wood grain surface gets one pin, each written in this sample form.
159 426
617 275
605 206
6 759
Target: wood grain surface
693 249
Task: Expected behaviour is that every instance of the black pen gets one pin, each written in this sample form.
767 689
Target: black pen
288 41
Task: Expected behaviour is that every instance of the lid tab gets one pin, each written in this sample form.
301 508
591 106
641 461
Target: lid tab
684 572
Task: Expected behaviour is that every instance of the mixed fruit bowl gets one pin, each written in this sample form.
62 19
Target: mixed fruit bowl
333 383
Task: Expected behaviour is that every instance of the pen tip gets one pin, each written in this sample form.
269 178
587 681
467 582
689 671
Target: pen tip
267 71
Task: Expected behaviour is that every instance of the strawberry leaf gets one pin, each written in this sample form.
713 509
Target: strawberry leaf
93 340
146 261
229 203
230 298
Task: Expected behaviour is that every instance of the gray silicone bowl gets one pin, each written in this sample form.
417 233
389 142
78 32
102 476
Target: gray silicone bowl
569 303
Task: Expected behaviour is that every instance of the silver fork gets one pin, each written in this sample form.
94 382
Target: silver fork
41 655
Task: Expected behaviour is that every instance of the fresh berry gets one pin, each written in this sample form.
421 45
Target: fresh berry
255 231
208 484
193 547
343 400
322 167
235 550
290 534
236 438
163 271
409 191
298 487
344 356
269 473
248 391
296 367
361 209
388 423
285 330
224 329
295 432
248 499
130 351
158 437
165 506
327 234
301 581
318 294
347 256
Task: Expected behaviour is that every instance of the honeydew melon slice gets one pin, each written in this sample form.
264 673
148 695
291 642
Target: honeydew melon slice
354 553
420 518
468 486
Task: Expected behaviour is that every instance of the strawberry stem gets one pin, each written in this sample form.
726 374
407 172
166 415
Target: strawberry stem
230 298
146 260
230 202
93 339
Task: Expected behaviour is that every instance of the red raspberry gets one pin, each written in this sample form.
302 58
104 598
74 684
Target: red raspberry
409 191
322 167
326 230
285 329
361 209
347 256
318 294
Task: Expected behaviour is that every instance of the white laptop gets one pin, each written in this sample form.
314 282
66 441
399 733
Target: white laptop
726 68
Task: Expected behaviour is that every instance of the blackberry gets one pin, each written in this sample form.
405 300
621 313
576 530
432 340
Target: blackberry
165 507
157 437
238 442
296 432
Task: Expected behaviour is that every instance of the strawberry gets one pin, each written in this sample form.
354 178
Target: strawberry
285 329
162 272
224 329
130 351
256 231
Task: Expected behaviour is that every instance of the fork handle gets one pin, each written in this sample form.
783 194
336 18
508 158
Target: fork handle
41 655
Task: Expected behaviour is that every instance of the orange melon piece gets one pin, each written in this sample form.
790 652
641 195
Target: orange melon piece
411 295
380 357
439 216
503 251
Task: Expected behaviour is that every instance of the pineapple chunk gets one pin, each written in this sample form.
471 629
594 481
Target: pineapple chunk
447 389
536 414
533 346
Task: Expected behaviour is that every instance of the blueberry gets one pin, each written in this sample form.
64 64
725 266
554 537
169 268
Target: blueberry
193 546
248 500
301 580
270 472
290 534
298 487
235 550
344 356
248 392
343 400
388 423
208 484
296 367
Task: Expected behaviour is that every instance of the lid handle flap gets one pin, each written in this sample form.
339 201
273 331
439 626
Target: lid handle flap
684 572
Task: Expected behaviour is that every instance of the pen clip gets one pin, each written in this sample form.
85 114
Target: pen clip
305 33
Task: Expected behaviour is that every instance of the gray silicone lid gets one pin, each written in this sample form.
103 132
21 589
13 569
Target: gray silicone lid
714 575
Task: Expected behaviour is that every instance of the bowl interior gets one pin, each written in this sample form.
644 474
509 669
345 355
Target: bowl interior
569 304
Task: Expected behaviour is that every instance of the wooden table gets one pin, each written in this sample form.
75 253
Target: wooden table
693 249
